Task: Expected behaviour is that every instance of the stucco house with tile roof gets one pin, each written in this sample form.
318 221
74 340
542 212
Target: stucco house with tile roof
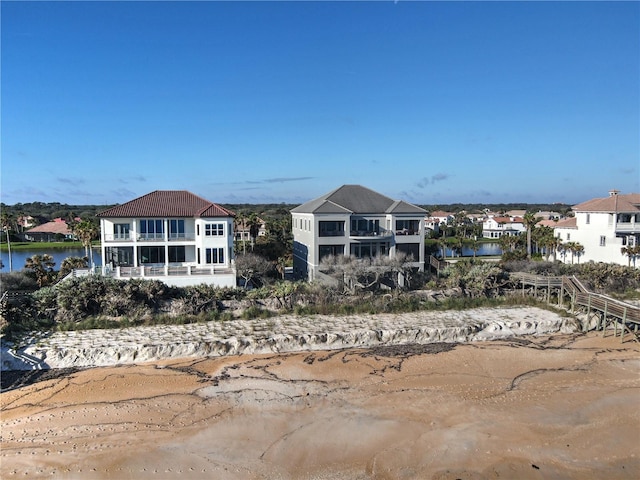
169 235
355 220
496 227
603 226
53 231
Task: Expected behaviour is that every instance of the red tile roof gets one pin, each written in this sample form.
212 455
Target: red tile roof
168 203
566 223
57 225
628 203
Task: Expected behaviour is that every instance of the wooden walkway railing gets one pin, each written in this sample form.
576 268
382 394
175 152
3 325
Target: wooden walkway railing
608 311
436 264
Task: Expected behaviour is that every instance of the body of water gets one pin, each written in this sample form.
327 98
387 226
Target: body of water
485 250
59 254
19 258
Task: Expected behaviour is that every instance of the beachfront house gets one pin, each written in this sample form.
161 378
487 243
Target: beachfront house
603 226
354 220
169 235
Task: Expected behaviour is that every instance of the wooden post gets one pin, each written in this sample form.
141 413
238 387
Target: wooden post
624 321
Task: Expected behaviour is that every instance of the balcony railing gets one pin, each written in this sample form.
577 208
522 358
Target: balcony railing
407 231
368 234
628 227
118 237
166 271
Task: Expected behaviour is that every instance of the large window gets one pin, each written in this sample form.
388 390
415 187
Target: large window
410 249
176 229
326 250
152 229
363 226
121 231
407 227
369 249
214 230
214 255
331 229
151 255
119 256
177 254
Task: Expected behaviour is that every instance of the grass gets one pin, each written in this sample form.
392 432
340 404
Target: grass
26 246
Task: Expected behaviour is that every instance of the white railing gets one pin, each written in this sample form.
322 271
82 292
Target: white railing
166 271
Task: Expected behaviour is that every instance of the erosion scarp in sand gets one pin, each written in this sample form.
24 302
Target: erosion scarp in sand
278 334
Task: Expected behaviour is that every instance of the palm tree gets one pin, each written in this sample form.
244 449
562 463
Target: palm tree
241 220
254 229
529 221
631 253
6 227
41 266
86 231
578 250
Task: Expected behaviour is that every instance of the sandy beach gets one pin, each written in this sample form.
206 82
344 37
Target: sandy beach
551 406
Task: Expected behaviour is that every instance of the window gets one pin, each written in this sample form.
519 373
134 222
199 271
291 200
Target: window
588 218
214 255
331 229
214 230
151 254
603 241
410 249
176 228
369 249
177 254
568 237
121 231
152 229
407 227
326 250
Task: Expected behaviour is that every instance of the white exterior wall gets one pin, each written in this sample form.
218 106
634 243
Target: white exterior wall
600 224
194 240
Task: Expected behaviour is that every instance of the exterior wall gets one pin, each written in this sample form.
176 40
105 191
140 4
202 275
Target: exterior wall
303 244
596 232
307 239
193 239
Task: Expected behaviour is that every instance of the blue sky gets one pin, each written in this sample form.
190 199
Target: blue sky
268 102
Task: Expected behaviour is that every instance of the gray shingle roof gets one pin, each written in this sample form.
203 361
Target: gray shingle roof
168 203
356 199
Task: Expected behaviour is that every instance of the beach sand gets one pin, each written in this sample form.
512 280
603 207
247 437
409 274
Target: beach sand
560 406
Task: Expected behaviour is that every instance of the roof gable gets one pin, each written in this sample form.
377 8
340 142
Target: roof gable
356 199
168 203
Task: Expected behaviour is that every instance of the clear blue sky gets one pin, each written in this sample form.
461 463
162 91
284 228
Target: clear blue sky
260 102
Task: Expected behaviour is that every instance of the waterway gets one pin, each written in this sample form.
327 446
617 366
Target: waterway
19 258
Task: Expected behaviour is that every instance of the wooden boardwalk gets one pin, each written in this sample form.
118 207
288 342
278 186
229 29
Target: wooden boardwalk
607 311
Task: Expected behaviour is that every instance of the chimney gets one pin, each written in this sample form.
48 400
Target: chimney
613 193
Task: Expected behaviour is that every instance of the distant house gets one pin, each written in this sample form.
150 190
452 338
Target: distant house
242 230
603 226
354 220
54 231
496 227
170 235
442 217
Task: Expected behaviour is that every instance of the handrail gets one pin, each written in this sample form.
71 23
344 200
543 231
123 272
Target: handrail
623 312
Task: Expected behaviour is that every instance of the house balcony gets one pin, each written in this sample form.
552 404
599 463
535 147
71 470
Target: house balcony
628 227
378 233
118 237
405 231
